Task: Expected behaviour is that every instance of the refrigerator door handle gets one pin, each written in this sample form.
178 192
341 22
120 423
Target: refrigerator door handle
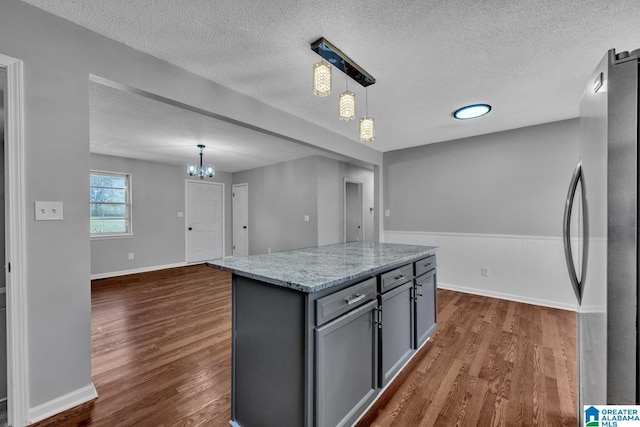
566 232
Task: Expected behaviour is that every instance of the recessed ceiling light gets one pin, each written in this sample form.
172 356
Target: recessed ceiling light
471 111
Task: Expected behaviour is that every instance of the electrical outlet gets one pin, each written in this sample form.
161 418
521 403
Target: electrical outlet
387 212
130 256
306 218
484 271
268 250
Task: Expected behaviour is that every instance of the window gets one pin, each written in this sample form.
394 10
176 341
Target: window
110 204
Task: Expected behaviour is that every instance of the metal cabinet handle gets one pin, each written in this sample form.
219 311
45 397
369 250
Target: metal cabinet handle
399 277
355 299
416 294
566 231
379 321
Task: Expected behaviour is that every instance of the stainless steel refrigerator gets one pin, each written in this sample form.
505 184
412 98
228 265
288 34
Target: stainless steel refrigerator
601 234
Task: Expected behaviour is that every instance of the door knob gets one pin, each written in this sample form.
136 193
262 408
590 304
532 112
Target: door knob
190 228
244 226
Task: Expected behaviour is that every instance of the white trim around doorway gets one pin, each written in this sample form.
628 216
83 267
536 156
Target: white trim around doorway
17 356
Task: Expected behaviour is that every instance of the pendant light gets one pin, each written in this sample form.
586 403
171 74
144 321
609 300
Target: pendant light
202 172
347 102
322 78
367 125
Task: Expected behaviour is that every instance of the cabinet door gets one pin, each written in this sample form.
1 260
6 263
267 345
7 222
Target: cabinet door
396 337
425 306
346 366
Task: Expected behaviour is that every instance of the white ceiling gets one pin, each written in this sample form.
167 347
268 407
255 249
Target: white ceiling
131 125
529 59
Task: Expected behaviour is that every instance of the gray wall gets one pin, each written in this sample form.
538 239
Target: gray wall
158 194
58 58
330 196
281 195
511 182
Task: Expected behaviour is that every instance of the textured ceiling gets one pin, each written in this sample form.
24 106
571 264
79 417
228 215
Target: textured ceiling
130 125
529 59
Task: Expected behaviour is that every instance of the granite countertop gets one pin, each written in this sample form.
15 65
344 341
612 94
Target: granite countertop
317 268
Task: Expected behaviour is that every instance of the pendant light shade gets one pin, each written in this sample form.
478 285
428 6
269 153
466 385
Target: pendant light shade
347 106
367 129
322 78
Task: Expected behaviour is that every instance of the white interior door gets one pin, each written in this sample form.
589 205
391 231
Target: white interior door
241 220
205 221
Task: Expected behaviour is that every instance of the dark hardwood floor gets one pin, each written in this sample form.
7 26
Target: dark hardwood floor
161 357
491 362
161 353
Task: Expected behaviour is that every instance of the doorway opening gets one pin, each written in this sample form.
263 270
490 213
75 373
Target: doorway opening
353 210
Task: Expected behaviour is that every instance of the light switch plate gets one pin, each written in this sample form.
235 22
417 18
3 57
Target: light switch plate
49 211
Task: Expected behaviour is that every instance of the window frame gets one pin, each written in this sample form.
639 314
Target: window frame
128 205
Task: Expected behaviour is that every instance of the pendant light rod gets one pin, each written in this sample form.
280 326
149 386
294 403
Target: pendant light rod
338 59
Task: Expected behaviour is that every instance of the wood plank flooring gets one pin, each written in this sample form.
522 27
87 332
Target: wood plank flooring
490 362
161 357
161 350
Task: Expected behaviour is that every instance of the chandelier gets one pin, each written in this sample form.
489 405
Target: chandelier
202 172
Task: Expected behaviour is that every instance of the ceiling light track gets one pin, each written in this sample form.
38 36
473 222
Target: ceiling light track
342 62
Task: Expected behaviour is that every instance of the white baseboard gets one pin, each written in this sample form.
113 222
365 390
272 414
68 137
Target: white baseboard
509 297
62 403
137 270
528 269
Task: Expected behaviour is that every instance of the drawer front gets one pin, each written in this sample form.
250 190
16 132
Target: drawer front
334 305
396 277
425 264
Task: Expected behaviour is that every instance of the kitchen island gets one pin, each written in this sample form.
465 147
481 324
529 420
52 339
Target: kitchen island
319 332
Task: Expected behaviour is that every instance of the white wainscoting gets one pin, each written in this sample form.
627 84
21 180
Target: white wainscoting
528 269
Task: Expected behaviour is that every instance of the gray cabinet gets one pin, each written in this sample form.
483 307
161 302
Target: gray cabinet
425 306
320 359
396 335
346 366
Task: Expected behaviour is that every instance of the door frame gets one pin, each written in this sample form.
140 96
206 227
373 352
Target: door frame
233 215
15 238
344 204
186 216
